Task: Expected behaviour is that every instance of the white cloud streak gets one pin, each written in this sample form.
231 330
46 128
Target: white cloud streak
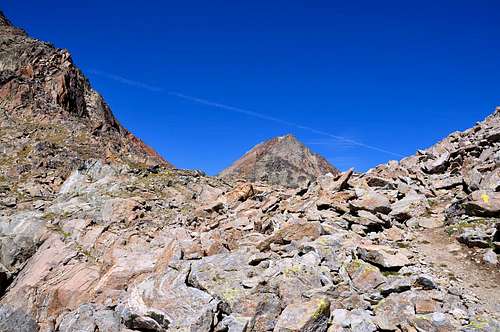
126 81
254 114
340 139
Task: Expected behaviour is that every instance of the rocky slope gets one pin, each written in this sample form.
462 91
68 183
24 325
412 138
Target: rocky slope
51 120
408 246
281 161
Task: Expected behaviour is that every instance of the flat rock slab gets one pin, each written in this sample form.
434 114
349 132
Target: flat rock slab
304 317
430 222
384 256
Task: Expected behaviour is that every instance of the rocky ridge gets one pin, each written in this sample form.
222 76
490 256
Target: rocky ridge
280 161
120 246
51 120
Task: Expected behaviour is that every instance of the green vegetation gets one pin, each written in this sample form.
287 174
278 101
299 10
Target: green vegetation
390 273
478 324
462 225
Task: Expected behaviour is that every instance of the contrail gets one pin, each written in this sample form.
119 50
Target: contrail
254 114
126 81
281 121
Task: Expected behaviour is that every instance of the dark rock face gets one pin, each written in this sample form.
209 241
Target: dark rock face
50 118
92 240
280 161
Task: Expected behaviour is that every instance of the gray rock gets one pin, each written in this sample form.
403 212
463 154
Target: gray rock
412 205
20 235
235 323
437 165
394 311
384 256
88 318
490 257
304 317
483 203
425 281
476 237
16 320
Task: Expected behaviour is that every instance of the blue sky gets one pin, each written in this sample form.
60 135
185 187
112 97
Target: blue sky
360 82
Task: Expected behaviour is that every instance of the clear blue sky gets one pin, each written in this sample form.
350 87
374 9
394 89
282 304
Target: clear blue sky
395 75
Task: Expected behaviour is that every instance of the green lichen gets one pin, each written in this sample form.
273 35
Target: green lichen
390 273
231 294
49 216
87 253
357 264
294 269
323 309
477 324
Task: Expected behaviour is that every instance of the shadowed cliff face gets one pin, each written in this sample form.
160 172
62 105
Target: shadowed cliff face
119 247
280 161
51 119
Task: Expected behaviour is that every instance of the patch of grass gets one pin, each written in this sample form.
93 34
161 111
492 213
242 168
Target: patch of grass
24 152
462 225
390 273
49 216
478 324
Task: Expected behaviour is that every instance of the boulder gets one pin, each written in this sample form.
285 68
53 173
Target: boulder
310 316
412 205
331 186
292 231
438 164
490 257
240 193
12 319
383 256
395 310
364 276
483 203
430 222
373 202
88 318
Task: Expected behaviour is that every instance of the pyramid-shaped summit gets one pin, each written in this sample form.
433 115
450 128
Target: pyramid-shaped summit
282 160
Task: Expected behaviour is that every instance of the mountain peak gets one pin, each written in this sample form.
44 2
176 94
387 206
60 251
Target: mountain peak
282 160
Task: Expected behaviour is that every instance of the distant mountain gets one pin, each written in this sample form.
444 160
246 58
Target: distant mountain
282 161
51 119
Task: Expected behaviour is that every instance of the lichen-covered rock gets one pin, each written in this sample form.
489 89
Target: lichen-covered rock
364 276
395 310
483 203
304 317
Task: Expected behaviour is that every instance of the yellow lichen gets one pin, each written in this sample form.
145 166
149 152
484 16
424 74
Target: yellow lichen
294 269
323 308
231 294
485 198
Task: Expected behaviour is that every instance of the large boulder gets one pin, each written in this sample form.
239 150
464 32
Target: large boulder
310 316
483 203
